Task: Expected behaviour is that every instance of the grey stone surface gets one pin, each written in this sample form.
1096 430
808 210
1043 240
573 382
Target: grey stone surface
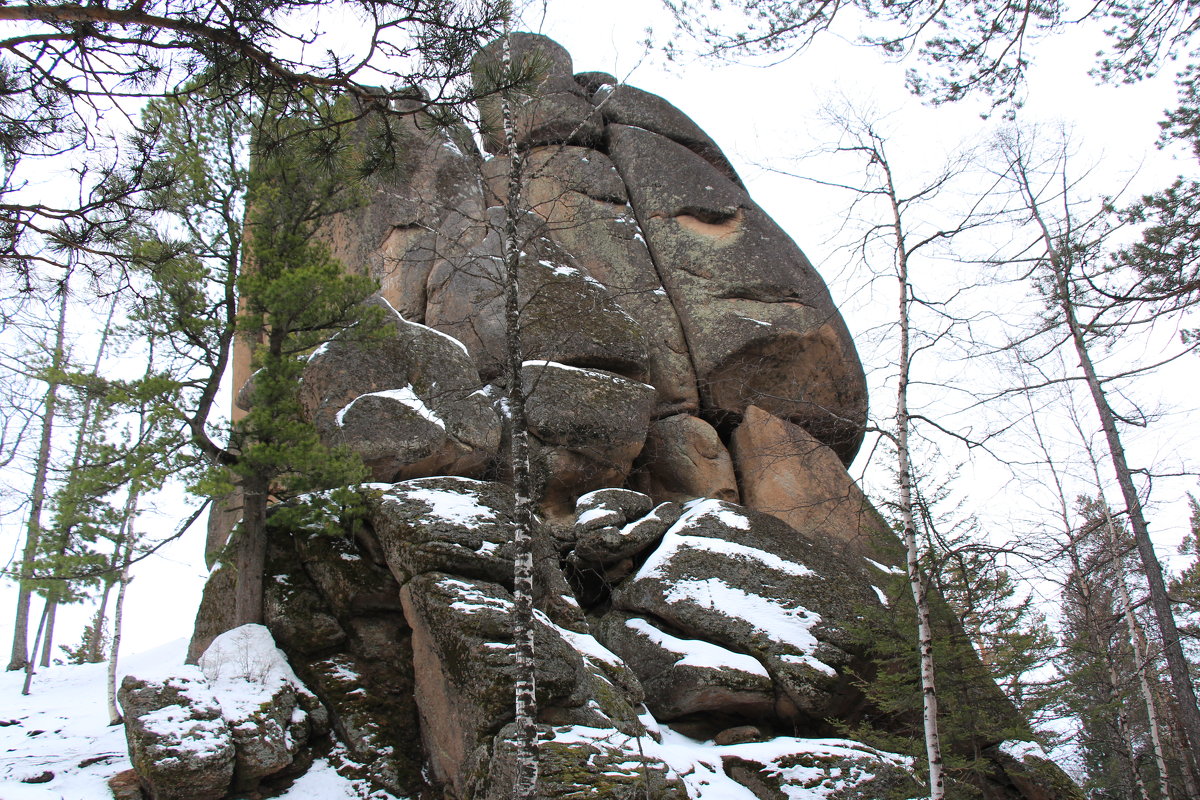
408 401
744 581
552 109
180 746
566 315
628 105
760 325
684 458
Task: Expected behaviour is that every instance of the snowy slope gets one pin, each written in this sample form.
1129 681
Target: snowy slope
62 728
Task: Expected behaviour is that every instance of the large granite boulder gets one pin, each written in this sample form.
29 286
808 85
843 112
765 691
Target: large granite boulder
589 426
554 108
760 324
685 677
566 314
581 197
681 356
788 474
684 458
627 105
241 716
746 582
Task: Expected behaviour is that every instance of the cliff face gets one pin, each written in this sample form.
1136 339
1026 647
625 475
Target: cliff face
706 567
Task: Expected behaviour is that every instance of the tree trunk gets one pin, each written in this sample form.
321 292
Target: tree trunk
86 427
250 557
29 662
1059 259
917 580
525 683
114 712
95 642
1177 666
37 498
50 614
1140 658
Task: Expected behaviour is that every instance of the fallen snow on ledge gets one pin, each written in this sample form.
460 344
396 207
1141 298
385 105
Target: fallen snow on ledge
405 396
697 653
1020 750
460 508
699 764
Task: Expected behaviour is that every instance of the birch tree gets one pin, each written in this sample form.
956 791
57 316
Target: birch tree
890 234
525 681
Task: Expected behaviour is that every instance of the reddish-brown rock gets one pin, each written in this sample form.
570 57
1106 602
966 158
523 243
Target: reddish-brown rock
684 459
788 474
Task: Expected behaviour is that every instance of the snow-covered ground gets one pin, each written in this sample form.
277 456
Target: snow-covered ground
60 735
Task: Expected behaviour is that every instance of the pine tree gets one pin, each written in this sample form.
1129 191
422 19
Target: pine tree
20 657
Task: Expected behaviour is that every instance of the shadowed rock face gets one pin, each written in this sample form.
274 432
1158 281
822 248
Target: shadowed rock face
684 356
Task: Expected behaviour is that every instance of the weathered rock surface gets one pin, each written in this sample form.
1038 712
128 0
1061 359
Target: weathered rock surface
241 716
825 768
581 761
554 112
452 525
788 474
759 322
464 667
743 580
566 314
583 200
414 211
409 401
683 677
271 715
179 744
588 424
683 459
633 107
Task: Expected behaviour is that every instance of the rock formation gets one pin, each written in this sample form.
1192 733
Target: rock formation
706 566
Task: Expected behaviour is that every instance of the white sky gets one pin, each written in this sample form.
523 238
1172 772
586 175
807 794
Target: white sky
770 114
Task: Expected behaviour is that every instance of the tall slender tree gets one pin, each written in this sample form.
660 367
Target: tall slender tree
20 655
1067 262
889 233
525 683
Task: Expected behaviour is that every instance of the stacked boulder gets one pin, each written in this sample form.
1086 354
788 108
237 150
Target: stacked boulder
705 565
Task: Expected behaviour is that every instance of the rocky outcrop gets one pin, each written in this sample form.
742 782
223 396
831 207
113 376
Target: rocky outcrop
240 717
408 400
710 580
683 459
179 743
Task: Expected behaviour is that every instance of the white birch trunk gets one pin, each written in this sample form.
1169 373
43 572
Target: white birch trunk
114 711
125 546
525 679
917 580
